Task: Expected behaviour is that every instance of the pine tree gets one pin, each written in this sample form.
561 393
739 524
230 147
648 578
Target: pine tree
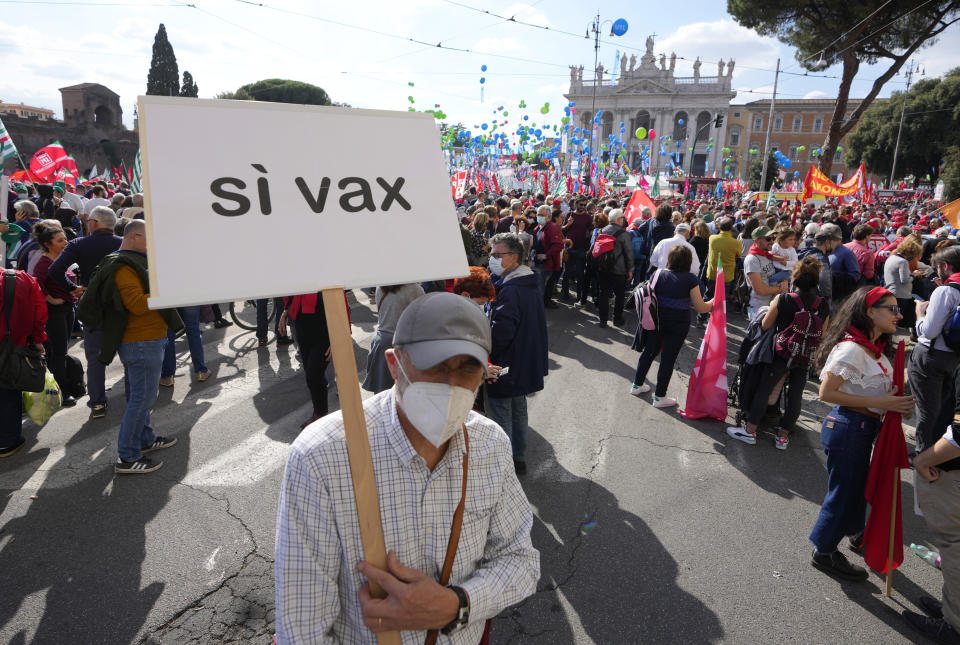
189 87
164 77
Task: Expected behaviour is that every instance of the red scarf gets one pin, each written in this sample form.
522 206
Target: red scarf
755 251
856 336
954 277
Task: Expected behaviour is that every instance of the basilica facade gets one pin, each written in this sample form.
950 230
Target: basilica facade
648 95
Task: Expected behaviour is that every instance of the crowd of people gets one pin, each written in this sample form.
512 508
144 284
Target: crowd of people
824 290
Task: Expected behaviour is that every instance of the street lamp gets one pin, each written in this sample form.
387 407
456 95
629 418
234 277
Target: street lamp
617 28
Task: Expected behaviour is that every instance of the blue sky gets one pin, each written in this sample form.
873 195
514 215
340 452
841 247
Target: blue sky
226 43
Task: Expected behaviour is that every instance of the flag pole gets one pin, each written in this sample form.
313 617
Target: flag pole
893 523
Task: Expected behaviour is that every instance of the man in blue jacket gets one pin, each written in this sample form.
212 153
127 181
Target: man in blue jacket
518 325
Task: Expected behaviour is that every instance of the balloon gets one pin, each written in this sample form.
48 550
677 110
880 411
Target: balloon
641 133
483 68
708 148
711 139
619 27
839 148
754 151
482 80
544 110
801 148
726 151
526 118
410 83
506 114
483 127
679 121
410 98
652 133
787 163
571 104
796 173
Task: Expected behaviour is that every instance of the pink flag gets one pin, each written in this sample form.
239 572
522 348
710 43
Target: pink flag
707 391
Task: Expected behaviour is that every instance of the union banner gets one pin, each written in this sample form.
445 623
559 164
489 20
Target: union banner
817 182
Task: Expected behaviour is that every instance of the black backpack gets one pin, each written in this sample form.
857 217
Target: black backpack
951 330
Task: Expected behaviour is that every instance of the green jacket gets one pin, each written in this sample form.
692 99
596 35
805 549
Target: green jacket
101 306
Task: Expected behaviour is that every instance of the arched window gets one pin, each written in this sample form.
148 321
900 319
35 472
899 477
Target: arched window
607 129
643 120
103 116
703 132
680 131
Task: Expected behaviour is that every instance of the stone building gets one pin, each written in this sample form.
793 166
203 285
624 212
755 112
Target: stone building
91 131
796 123
649 95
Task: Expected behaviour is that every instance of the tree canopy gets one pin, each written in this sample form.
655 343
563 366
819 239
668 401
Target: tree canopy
931 115
163 79
848 32
189 87
755 170
280 91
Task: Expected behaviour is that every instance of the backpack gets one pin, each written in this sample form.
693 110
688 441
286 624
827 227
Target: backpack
797 343
951 330
647 306
604 252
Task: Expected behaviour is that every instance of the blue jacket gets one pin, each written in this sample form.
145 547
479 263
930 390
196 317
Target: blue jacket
843 260
518 325
87 253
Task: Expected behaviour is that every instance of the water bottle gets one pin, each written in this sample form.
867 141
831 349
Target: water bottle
922 552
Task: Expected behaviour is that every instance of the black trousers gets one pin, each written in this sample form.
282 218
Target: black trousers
59 325
770 376
314 341
667 343
610 282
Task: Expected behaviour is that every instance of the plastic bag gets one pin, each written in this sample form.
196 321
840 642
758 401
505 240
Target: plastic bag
40 406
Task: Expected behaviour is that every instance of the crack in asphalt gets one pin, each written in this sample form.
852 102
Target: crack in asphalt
249 616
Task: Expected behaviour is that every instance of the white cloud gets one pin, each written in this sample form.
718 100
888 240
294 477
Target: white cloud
494 45
713 41
816 94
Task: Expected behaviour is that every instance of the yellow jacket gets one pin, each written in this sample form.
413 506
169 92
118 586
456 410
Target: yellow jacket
728 248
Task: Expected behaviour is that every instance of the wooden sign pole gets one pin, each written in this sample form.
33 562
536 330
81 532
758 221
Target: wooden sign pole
893 532
358 443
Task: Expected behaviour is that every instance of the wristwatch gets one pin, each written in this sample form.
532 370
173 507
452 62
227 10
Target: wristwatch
463 613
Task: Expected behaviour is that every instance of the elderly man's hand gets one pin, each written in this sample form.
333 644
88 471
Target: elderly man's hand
414 600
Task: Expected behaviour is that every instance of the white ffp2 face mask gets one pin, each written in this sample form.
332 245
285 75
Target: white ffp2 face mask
436 410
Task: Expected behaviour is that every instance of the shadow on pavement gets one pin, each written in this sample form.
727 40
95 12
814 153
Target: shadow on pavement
79 549
592 555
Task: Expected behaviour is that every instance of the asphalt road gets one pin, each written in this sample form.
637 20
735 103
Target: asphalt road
651 528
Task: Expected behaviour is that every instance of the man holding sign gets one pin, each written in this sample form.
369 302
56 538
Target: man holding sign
431 454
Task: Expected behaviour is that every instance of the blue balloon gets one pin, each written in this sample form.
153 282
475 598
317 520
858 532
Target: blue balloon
679 121
483 68
619 27
526 118
482 80
787 163
483 127
571 104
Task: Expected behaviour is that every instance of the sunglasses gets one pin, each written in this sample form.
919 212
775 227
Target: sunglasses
893 308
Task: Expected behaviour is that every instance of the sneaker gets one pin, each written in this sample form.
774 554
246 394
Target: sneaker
98 411
663 402
283 341
836 564
781 443
220 323
637 390
262 343
140 466
931 607
159 443
166 381
740 434
12 450
579 305
203 376
936 629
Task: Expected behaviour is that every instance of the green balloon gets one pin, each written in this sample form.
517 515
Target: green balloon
839 148
544 110
801 148
641 133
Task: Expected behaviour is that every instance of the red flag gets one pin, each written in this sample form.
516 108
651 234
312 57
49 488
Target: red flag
546 185
889 455
707 391
638 200
44 163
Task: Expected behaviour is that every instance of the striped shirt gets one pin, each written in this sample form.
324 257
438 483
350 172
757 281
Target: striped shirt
318 536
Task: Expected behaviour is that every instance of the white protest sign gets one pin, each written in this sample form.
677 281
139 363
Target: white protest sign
246 199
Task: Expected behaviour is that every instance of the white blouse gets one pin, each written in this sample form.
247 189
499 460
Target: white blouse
862 374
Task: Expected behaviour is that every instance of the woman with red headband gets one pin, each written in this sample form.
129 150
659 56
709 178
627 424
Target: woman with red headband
856 377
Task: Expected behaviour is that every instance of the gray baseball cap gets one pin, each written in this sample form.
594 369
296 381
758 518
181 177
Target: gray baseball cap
438 326
828 232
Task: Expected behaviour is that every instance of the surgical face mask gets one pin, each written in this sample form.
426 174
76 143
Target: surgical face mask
496 266
436 410
541 220
21 195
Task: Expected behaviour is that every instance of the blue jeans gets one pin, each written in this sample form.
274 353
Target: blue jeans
142 361
511 414
262 317
847 439
96 371
573 271
191 322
